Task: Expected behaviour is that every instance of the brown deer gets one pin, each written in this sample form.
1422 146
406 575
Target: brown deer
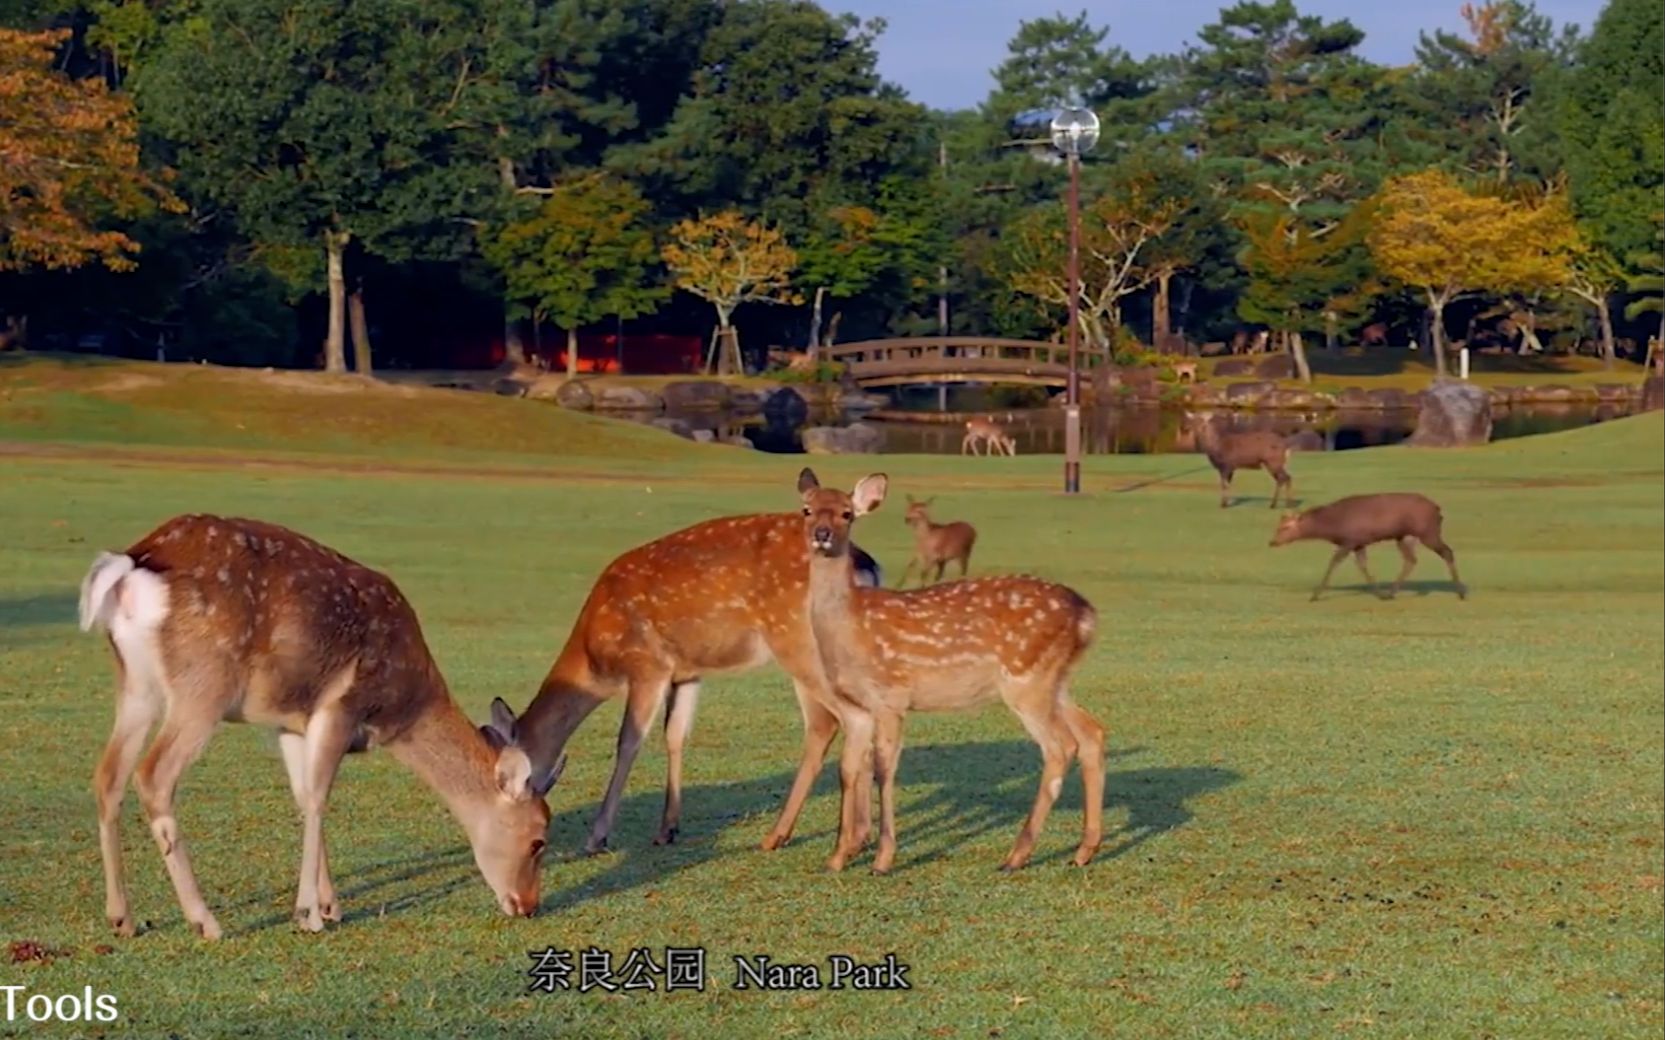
936 545
1185 371
949 647
1353 523
1251 449
723 595
987 434
215 619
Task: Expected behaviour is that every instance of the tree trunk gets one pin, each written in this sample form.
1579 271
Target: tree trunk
1605 315
1529 333
1436 332
1330 333
514 344
832 327
360 330
335 347
1160 315
572 353
1299 351
815 325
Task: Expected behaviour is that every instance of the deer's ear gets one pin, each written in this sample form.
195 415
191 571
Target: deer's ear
807 481
503 718
514 773
497 740
869 493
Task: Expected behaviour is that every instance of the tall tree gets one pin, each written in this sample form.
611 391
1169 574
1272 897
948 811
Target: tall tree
584 256
727 260
1298 279
71 163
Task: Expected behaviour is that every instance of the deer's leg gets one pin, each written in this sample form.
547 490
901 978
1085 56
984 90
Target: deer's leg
820 726
137 706
902 583
328 735
1058 746
965 564
183 735
1364 568
853 772
887 752
1407 549
1283 487
646 691
1444 551
1225 487
679 720
1089 743
293 747
1324 583
942 565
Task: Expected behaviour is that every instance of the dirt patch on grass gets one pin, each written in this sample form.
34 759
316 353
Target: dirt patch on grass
126 382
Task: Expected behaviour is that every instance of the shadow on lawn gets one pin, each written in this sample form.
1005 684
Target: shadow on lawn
973 789
21 617
1413 587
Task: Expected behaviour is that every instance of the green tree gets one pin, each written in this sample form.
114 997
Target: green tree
1298 278
583 256
727 260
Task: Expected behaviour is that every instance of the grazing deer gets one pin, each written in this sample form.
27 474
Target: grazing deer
1252 449
1185 371
947 647
215 620
1352 523
988 434
936 545
723 595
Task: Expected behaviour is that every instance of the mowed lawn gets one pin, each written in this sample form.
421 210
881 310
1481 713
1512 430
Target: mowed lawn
1421 818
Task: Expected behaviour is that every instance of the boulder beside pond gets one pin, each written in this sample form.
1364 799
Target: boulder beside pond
1454 414
628 399
696 395
855 439
568 393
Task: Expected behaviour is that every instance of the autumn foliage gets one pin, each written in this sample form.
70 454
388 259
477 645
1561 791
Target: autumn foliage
728 260
69 161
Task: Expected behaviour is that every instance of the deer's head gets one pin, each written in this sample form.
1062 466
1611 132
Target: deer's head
916 514
1289 529
510 835
829 513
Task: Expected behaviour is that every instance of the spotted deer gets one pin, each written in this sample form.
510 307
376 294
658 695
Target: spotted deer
1252 449
944 648
987 434
225 620
936 545
723 595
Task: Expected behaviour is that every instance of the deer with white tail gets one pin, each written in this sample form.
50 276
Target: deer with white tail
948 647
225 620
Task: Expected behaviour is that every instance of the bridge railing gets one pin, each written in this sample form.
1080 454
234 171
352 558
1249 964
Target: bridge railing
928 349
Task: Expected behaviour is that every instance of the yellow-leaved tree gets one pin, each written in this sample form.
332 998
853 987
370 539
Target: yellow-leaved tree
1435 234
728 260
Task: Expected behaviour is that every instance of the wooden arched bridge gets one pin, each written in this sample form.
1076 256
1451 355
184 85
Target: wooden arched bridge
959 359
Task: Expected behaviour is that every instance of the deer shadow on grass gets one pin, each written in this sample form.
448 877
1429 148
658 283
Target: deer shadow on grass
28 619
972 789
1412 587
1265 502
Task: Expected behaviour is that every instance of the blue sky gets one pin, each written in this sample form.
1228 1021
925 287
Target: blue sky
942 51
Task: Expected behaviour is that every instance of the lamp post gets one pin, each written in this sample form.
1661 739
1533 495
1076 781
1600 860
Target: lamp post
1074 132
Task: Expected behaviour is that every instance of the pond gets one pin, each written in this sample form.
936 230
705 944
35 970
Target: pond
1130 429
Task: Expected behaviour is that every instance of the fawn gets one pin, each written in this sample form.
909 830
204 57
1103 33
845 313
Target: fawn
1253 449
723 595
936 545
1352 523
947 647
213 619
988 434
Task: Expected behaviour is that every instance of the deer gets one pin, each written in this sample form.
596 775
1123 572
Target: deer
936 545
1185 371
1357 521
1252 449
725 595
949 647
214 619
987 434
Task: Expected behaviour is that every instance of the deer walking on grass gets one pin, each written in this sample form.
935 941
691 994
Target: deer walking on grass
1229 452
223 620
936 545
1353 523
988 434
945 648
723 595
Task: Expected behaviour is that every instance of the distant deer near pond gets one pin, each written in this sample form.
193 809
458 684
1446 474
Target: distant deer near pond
987 434
1229 452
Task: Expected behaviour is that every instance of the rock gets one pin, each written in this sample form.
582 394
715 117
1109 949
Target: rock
1278 366
547 387
859 402
1249 395
1388 397
739 441
571 393
508 387
695 395
1307 440
679 427
749 399
628 399
855 439
1353 397
1297 400
1555 394
1454 414
1205 395
1653 393
786 406
1502 396
1234 367
1614 393
705 436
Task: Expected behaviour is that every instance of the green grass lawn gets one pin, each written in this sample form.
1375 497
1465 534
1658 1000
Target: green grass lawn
1424 818
1377 368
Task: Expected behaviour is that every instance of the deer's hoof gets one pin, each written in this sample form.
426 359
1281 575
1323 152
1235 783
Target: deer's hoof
308 919
329 910
595 847
665 837
207 928
123 926
776 841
